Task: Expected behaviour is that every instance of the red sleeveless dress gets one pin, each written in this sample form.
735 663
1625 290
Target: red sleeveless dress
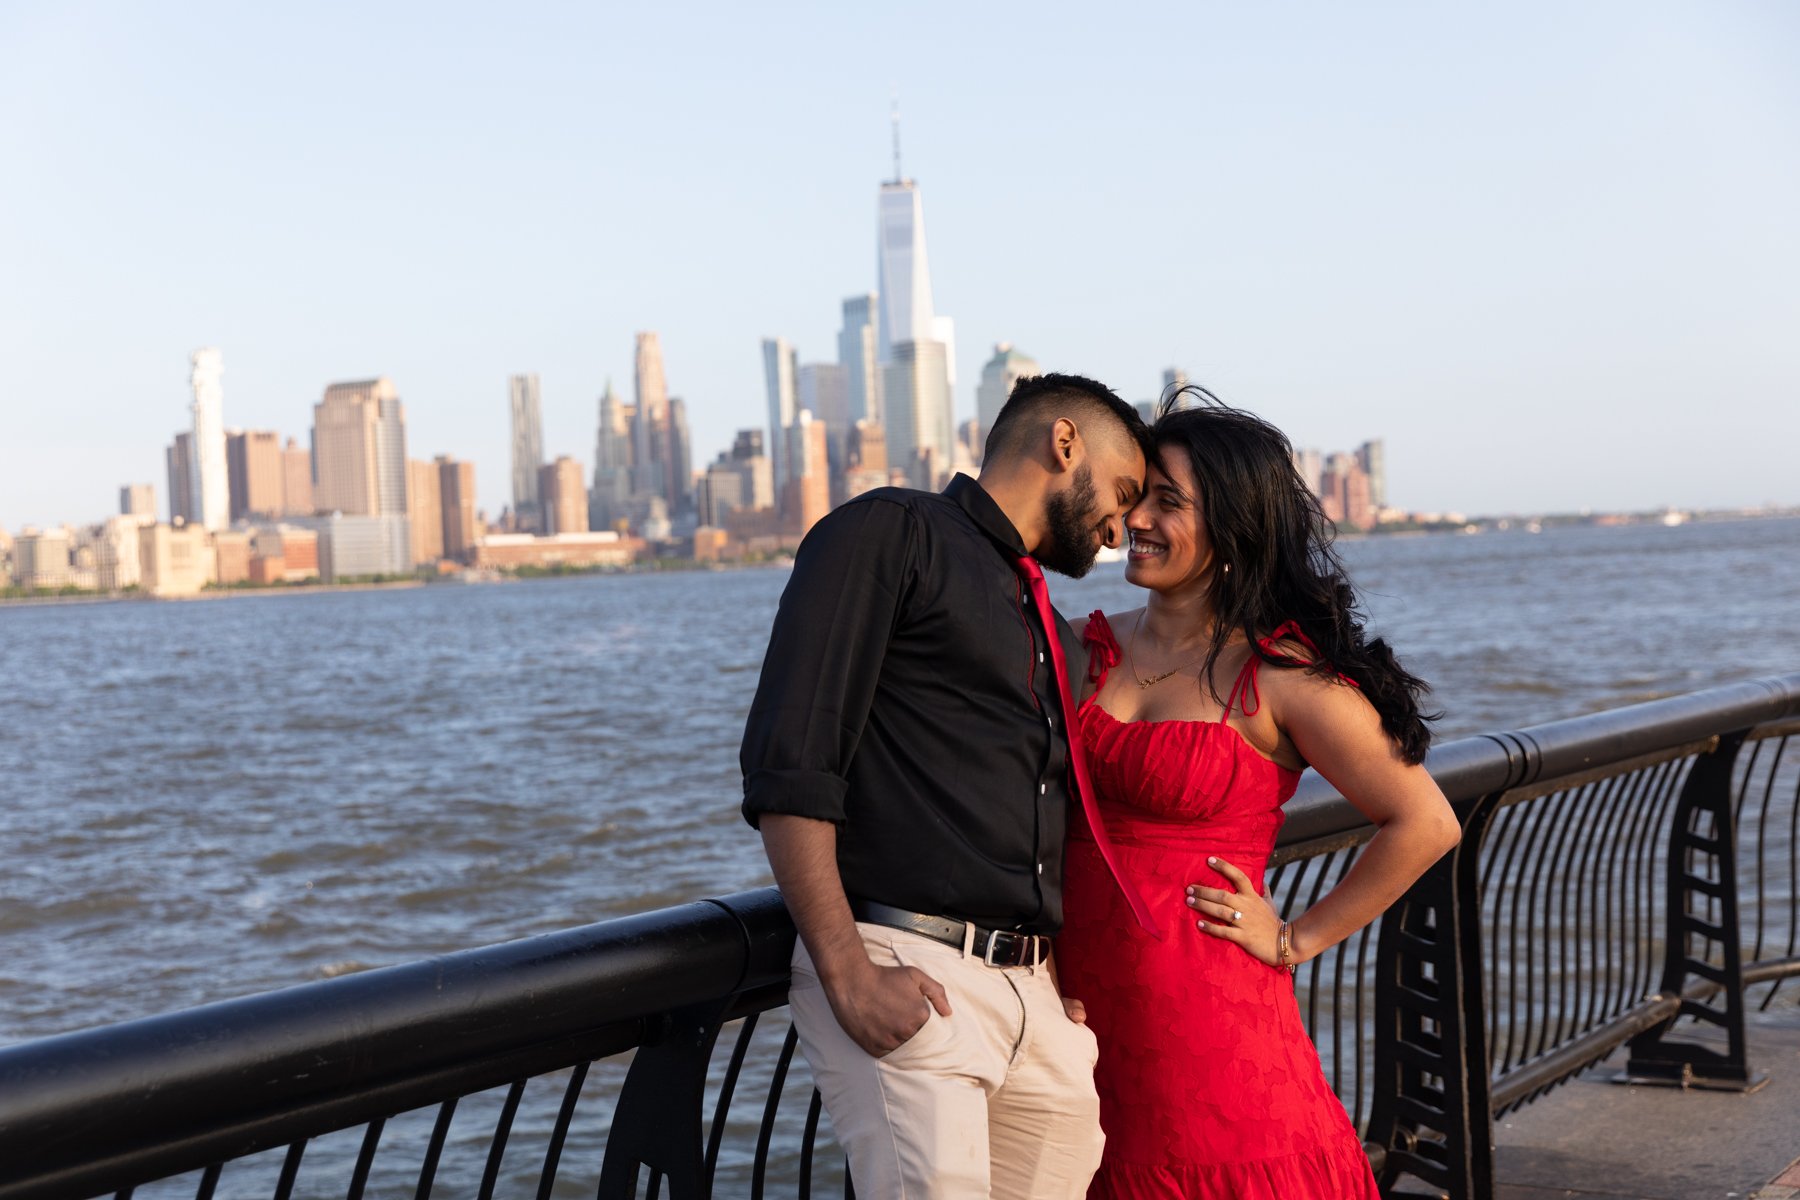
1209 1087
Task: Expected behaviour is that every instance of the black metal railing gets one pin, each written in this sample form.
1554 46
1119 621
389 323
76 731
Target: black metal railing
1618 873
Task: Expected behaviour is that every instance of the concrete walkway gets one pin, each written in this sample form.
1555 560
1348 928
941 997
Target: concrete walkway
1593 1139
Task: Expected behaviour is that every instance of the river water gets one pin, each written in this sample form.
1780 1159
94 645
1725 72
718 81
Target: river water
214 798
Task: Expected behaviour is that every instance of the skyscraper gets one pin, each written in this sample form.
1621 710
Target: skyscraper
608 500
255 470
564 500
138 500
916 392
425 510
824 392
1002 371
359 438
808 494
866 462
296 480
905 275
681 457
721 492
1344 492
456 497
914 342
1311 465
650 425
781 370
527 447
211 481
1372 457
181 479
859 353
748 451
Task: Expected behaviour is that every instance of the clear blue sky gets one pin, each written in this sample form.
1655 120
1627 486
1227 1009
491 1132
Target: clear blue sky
1549 252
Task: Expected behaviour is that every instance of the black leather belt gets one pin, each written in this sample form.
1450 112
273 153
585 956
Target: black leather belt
995 947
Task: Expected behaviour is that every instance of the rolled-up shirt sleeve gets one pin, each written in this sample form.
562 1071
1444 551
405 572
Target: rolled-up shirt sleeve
819 676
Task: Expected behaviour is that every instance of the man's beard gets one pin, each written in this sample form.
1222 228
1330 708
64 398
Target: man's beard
1072 539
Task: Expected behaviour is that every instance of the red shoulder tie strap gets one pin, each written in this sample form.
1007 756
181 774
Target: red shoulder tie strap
1245 688
1040 598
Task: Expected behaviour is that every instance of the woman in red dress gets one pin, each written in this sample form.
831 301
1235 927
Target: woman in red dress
1247 663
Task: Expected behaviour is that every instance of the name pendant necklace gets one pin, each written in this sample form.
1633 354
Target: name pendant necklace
1131 658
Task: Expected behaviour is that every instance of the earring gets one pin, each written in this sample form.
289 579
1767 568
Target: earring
1227 568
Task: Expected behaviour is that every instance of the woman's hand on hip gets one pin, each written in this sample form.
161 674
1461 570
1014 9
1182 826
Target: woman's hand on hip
1237 914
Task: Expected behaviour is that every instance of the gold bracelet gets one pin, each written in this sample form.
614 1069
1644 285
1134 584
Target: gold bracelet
1284 947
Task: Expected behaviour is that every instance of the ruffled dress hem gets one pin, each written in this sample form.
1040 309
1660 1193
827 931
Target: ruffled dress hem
1327 1173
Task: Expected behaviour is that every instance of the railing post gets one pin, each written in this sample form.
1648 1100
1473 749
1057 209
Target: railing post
659 1120
1701 880
1431 1111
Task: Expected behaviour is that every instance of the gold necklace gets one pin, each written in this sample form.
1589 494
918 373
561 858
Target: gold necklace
1131 658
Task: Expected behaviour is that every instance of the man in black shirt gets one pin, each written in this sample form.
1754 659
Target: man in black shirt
907 764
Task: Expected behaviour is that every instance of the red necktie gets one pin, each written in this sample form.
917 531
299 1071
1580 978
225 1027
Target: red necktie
1040 597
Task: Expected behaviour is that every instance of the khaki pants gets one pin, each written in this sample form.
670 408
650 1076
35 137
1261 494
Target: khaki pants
996 1099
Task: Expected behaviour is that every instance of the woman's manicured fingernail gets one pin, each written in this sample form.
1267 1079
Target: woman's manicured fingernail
1211 861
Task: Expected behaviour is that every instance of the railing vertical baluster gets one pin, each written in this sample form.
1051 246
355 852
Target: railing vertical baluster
1597 936
1321 868
1627 865
365 1159
434 1149
502 1133
1701 883
1793 875
209 1182
1570 818
808 1140
1762 832
290 1170
726 1088
1603 963
1518 1032
1340 952
1505 839
766 1133
1360 1114
559 1134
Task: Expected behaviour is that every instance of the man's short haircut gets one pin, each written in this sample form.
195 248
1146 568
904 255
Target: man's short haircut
1038 400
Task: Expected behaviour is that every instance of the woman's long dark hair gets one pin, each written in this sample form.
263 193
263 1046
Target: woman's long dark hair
1264 521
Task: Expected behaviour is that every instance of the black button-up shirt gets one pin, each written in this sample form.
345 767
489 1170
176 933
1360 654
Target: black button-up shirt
907 695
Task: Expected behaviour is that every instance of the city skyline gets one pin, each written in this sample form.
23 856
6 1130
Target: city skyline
1535 268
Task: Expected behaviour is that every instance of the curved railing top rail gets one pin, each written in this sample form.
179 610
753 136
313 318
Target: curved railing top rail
180 1076
183 1077
1472 767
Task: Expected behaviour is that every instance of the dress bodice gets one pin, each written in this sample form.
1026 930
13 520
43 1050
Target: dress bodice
1175 782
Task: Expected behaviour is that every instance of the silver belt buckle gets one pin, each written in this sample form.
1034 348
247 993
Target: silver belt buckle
994 935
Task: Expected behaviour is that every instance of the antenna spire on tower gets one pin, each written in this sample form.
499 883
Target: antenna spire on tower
899 176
